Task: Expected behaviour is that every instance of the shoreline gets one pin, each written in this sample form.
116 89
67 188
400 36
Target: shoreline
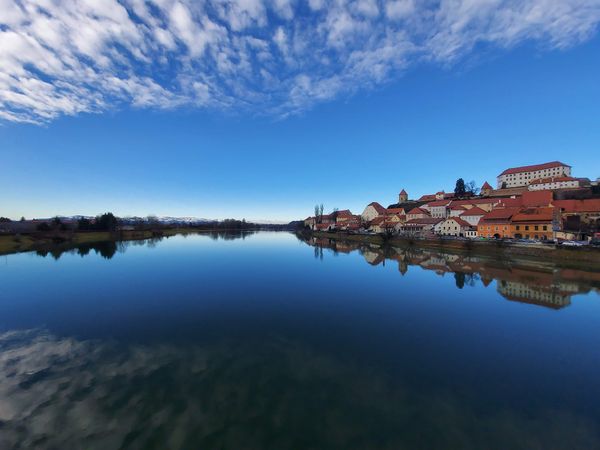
12 244
568 257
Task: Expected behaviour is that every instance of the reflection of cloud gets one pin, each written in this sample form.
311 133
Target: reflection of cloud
64 393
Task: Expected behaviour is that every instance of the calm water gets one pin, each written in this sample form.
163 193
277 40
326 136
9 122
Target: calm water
262 341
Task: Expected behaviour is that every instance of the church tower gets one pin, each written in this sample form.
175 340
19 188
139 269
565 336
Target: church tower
402 197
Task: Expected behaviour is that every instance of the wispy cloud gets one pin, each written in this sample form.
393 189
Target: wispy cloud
279 57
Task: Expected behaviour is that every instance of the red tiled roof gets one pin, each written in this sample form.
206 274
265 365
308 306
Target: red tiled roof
573 206
395 210
418 211
458 208
533 167
536 198
475 211
427 198
534 215
344 213
475 201
439 203
553 180
486 185
461 222
378 220
380 209
499 214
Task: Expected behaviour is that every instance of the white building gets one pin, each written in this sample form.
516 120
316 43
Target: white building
473 216
438 209
545 184
373 210
452 226
523 176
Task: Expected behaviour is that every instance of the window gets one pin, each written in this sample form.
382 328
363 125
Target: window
526 227
545 228
518 227
536 228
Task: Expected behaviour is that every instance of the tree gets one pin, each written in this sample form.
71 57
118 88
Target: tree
471 188
22 219
459 190
43 227
316 213
321 208
84 224
106 222
5 219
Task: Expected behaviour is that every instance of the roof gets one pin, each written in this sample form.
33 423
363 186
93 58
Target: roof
439 203
426 198
475 211
378 220
344 213
380 209
534 167
537 198
395 211
458 208
403 192
572 206
534 215
424 221
500 214
418 211
461 222
475 201
486 185
553 180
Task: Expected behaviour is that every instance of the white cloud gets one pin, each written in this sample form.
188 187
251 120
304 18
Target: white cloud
61 57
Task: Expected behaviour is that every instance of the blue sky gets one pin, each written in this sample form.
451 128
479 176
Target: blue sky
260 109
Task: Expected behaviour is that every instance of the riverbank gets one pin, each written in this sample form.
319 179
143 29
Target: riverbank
45 241
574 257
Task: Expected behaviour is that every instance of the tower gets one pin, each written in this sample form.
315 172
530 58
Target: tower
402 197
486 189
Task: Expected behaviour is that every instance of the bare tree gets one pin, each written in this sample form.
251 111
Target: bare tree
471 188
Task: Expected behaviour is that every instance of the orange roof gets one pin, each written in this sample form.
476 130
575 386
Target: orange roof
458 208
533 168
534 215
418 211
499 214
537 198
486 185
461 222
572 206
344 213
475 211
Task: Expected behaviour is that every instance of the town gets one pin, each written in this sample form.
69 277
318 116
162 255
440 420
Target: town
541 202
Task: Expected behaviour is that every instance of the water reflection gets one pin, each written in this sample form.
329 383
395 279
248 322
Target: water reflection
265 393
108 249
518 280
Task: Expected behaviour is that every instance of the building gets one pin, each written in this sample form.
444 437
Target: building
533 223
524 175
486 189
496 224
473 216
402 197
420 226
373 210
438 209
417 213
555 183
452 226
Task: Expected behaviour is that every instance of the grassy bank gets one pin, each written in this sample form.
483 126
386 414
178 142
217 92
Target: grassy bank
573 257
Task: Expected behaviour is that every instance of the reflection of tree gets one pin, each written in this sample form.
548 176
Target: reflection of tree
272 393
106 249
459 279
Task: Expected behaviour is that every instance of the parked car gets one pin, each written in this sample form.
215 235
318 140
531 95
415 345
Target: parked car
571 244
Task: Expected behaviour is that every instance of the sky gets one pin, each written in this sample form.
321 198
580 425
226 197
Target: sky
259 109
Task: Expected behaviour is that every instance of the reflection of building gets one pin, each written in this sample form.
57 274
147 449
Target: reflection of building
550 296
518 281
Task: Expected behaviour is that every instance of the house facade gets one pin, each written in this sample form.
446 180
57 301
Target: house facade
524 175
534 223
452 226
553 183
373 210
